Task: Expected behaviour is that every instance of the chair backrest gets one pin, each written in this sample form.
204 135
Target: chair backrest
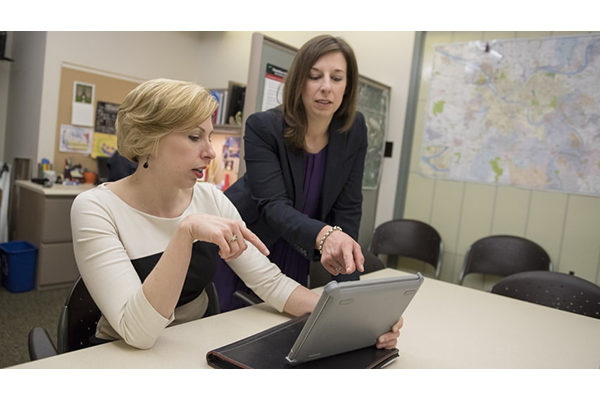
372 262
80 315
409 238
504 255
553 289
214 306
78 319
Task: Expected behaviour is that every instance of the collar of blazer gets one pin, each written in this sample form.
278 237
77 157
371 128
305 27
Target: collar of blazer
333 167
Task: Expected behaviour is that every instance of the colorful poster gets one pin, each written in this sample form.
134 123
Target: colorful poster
74 139
231 154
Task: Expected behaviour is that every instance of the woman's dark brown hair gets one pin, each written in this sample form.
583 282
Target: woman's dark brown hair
293 107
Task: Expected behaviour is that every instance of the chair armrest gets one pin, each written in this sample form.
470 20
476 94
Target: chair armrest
214 307
40 344
247 298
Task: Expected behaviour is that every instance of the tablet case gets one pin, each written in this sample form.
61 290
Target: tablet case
268 350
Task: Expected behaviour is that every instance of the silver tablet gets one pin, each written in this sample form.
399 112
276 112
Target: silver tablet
352 315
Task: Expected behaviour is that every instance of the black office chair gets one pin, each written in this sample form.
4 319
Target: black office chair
77 323
504 255
409 238
552 289
372 262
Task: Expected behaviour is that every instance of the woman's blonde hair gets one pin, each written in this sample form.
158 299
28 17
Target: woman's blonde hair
156 107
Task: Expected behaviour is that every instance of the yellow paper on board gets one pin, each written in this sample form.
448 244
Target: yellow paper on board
103 145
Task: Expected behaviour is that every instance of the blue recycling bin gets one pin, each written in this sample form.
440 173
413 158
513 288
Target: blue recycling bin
18 261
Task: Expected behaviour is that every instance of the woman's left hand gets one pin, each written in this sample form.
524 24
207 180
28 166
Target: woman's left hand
389 340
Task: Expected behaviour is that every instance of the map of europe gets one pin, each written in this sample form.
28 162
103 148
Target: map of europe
522 112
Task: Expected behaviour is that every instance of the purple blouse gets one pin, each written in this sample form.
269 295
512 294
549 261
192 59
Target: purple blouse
292 263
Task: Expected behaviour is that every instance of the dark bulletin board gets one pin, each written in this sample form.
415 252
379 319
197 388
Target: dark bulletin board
108 89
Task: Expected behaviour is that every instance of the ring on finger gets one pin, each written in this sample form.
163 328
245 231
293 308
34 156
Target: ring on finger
338 269
233 239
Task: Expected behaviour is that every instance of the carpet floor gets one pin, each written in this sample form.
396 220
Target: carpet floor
19 313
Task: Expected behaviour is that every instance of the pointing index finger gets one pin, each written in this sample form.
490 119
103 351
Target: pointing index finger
252 238
349 261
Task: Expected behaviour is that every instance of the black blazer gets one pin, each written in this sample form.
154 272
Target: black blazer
270 194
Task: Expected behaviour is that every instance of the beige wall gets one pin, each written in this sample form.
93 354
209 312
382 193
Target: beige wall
566 225
212 59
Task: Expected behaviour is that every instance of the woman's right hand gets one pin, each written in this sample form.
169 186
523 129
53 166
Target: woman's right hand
229 234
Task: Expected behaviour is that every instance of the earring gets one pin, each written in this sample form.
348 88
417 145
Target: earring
146 163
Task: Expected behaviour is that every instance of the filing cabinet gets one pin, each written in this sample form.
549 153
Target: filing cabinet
43 219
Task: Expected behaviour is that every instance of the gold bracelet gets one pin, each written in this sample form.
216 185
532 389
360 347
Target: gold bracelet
326 235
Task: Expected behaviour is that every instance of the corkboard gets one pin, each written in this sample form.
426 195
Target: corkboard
108 89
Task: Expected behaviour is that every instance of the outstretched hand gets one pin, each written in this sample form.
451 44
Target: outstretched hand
229 234
341 254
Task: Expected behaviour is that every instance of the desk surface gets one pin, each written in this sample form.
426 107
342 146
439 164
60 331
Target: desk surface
56 189
446 326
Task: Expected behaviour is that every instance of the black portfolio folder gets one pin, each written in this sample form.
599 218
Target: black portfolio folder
268 349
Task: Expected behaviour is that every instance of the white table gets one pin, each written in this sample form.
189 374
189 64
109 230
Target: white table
446 326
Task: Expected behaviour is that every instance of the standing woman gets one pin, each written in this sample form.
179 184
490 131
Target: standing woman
301 193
